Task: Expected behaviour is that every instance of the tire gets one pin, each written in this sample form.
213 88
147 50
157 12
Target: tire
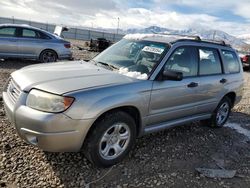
48 56
104 146
220 114
246 68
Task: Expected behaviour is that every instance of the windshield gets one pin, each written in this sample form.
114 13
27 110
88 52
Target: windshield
133 58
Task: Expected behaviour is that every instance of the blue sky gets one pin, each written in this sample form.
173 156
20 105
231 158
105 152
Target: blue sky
224 13
227 15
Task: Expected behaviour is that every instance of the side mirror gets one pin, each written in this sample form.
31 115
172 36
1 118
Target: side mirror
172 75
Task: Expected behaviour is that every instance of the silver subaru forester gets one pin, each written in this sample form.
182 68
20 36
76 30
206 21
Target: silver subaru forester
140 85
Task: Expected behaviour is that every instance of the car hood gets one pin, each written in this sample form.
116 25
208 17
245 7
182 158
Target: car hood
66 77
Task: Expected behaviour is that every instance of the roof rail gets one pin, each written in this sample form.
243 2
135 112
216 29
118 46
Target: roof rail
222 42
195 37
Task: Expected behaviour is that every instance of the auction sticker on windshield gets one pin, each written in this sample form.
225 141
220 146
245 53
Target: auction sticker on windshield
153 49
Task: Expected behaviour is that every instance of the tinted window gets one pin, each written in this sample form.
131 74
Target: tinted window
184 60
209 61
7 32
231 61
29 33
43 35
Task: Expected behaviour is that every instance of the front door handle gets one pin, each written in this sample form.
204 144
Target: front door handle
193 84
223 80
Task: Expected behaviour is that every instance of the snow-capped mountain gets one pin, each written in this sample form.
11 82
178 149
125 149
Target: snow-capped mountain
152 29
245 38
203 33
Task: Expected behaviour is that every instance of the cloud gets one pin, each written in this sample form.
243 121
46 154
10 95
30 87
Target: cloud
140 14
140 18
240 7
243 10
57 11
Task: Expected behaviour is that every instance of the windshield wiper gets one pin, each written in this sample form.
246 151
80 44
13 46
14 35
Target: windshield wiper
112 67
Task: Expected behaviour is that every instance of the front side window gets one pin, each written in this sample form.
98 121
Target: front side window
231 61
184 60
209 61
29 33
7 32
133 58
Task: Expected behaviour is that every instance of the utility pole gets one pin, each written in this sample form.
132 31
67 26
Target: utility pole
118 22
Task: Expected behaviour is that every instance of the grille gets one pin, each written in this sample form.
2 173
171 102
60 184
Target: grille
13 90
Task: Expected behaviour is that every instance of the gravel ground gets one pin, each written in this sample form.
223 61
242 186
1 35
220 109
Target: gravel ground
164 159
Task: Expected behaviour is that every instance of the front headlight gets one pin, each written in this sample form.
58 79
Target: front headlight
47 102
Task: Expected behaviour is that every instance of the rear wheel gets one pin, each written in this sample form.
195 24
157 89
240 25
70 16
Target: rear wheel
111 139
48 56
221 113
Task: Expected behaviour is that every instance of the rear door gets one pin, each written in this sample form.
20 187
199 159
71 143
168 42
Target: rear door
8 42
172 100
234 79
211 79
31 43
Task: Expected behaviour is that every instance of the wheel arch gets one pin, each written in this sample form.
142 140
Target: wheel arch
232 96
131 110
48 49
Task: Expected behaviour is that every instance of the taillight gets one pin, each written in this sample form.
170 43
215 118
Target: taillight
245 59
67 45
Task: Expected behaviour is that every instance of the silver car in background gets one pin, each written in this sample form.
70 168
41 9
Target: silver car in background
26 42
140 85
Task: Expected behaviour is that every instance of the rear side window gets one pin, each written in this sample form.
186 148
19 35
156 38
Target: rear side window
29 33
209 61
7 32
231 61
43 35
184 59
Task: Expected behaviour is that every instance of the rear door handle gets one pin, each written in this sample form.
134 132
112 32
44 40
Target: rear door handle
223 80
193 84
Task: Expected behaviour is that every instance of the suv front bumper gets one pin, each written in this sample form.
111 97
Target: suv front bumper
48 131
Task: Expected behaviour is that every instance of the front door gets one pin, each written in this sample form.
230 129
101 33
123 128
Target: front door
171 100
8 42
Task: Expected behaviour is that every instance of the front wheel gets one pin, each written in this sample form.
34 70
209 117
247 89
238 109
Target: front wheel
111 139
221 114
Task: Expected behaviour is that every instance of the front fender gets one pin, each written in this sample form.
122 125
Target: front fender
115 101
93 103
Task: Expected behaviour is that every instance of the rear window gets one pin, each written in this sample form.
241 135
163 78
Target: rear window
231 61
7 32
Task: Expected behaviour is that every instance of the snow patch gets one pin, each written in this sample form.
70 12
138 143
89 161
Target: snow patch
170 37
133 74
139 36
239 129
